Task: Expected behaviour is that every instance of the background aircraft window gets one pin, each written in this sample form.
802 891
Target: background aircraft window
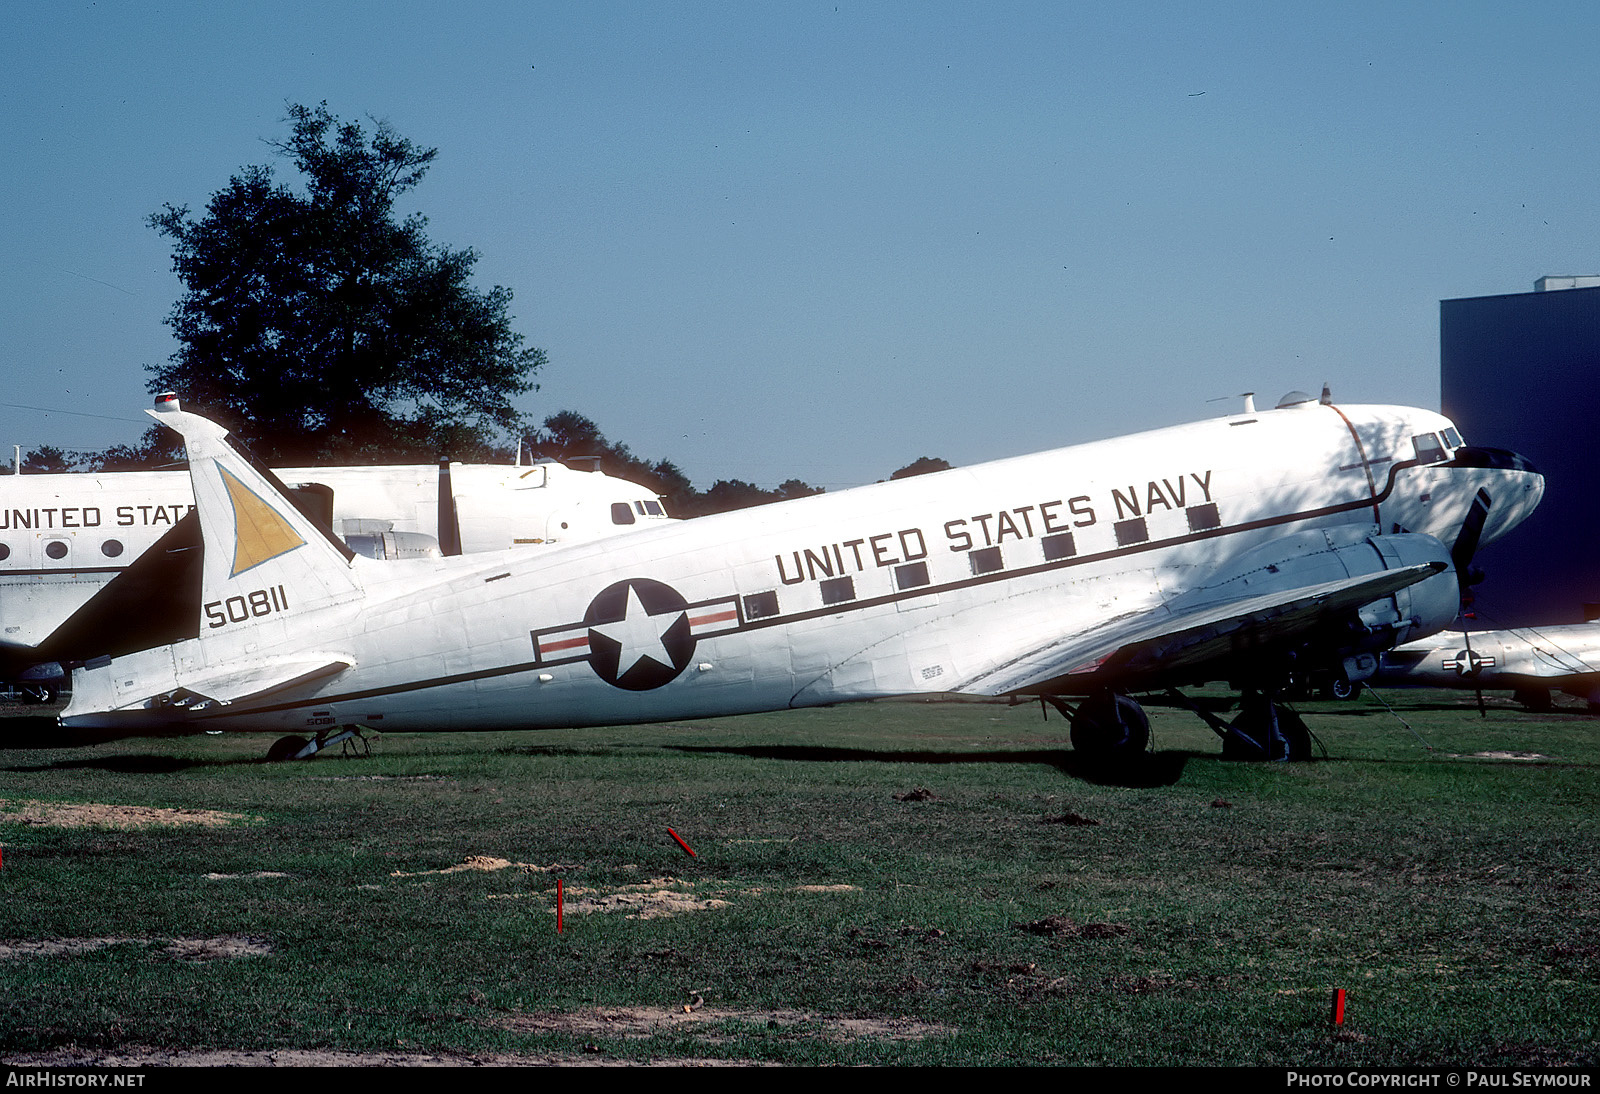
838 590
911 575
1203 517
986 560
1429 450
1132 531
56 548
111 548
1059 546
761 605
620 513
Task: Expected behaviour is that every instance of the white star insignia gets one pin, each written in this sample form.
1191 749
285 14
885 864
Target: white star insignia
639 634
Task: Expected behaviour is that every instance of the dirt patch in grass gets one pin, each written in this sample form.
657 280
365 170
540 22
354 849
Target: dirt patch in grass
245 877
96 815
651 899
713 1024
222 947
482 864
1059 926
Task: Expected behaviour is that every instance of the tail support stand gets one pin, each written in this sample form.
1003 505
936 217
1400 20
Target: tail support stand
353 743
350 737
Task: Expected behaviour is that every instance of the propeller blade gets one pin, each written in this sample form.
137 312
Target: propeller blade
1466 544
449 524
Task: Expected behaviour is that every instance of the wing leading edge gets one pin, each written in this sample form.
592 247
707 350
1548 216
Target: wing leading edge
1146 646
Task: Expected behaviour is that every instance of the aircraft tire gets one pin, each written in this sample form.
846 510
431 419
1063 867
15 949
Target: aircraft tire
1296 737
285 748
1342 688
1252 738
1109 726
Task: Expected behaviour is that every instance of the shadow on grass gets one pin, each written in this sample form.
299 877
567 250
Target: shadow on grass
1149 770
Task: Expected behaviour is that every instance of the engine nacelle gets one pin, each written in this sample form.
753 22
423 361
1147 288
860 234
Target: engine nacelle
1309 558
391 545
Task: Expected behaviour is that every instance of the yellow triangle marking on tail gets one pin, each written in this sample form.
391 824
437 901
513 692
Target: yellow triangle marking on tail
260 533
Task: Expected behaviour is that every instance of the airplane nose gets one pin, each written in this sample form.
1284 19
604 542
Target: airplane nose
1515 487
1497 459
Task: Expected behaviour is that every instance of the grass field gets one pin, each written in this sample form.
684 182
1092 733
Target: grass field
1023 911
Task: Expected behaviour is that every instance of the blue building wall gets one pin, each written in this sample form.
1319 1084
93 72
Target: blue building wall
1523 372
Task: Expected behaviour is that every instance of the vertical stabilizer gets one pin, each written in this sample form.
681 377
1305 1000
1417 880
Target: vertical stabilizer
264 557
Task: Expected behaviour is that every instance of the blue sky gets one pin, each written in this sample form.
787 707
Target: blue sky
818 240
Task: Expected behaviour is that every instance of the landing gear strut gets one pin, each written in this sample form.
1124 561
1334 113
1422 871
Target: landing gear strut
295 747
1108 726
1264 729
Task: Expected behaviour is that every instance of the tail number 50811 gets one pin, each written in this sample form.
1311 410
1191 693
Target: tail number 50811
251 605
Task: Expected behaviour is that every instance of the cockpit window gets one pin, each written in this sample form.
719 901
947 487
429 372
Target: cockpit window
621 513
1452 438
653 508
1429 450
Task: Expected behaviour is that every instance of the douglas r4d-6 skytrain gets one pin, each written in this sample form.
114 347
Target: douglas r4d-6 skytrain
1232 549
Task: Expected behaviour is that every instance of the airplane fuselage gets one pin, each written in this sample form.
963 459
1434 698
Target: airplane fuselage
925 585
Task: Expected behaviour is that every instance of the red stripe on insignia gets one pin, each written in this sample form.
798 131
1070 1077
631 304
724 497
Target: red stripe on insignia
571 643
719 617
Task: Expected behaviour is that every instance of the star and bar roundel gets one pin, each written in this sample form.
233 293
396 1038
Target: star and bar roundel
637 634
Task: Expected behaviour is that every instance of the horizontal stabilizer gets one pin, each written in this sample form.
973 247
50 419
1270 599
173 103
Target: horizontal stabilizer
234 684
1151 645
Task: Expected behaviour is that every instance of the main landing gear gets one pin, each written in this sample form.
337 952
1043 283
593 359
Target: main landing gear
1112 727
295 747
1264 729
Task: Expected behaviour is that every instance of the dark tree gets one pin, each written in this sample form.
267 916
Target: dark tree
922 465
570 437
318 327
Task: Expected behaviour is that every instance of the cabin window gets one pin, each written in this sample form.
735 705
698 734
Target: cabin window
986 560
912 575
1429 450
838 590
111 548
620 513
56 548
1059 546
761 605
1132 531
1203 518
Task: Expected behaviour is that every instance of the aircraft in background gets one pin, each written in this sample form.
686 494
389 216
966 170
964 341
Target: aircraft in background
63 537
1530 661
1232 549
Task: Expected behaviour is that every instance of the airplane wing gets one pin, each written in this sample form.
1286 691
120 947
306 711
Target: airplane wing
1146 646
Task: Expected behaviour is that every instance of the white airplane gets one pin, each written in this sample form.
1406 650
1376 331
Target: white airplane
1531 661
63 537
1225 549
